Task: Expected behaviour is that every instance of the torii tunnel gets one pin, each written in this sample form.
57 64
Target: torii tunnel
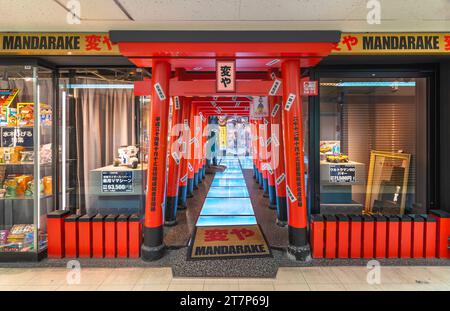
183 66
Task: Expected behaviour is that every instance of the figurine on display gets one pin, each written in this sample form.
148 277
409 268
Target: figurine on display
128 156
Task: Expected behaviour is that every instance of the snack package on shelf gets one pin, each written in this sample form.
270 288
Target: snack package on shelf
6 98
46 114
20 239
25 114
4 236
12 116
46 153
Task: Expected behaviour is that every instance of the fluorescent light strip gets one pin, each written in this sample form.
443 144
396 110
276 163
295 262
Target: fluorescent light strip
367 83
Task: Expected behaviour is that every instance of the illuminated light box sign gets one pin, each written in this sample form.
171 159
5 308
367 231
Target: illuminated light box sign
117 182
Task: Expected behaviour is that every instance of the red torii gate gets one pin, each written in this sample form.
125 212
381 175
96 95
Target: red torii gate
255 53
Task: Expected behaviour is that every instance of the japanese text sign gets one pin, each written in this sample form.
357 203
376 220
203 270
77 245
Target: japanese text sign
226 76
115 181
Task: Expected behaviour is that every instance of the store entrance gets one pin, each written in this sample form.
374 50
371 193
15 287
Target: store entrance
213 64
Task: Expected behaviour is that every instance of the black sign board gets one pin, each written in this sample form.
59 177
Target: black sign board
15 136
342 173
117 181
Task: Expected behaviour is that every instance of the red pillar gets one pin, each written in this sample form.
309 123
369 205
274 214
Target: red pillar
153 246
263 147
197 129
191 153
294 159
269 160
258 154
277 150
183 181
205 133
176 131
254 147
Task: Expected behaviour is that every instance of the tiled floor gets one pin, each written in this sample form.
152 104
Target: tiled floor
160 279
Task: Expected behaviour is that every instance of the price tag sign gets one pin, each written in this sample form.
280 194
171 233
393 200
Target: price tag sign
12 137
117 182
342 173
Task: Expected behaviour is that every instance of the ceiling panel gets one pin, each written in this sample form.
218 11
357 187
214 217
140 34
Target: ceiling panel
178 10
100 10
345 15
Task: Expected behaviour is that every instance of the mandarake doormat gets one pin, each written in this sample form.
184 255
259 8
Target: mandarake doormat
228 242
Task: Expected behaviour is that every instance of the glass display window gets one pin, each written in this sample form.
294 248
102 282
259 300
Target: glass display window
26 166
373 142
103 142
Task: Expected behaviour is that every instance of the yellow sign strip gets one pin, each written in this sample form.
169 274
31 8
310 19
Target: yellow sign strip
49 44
393 44
57 44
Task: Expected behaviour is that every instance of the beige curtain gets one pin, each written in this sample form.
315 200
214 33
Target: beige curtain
105 120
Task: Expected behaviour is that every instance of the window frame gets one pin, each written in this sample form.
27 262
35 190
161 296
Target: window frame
428 71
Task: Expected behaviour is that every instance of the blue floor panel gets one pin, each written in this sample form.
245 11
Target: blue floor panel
229 176
204 221
227 202
228 183
228 192
227 206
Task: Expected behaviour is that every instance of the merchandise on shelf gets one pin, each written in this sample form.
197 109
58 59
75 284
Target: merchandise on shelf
17 185
23 114
340 158
128 156
46 153
6 98
19 238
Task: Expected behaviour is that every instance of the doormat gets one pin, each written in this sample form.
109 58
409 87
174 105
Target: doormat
228 242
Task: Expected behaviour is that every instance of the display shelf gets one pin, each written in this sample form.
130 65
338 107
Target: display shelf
26 197
31 256
24 164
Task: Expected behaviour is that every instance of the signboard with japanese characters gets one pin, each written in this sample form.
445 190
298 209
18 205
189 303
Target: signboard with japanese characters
15 137
225 76
57 44
228 242
12 43
310 88
342 173
117 181
259 107
392 44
